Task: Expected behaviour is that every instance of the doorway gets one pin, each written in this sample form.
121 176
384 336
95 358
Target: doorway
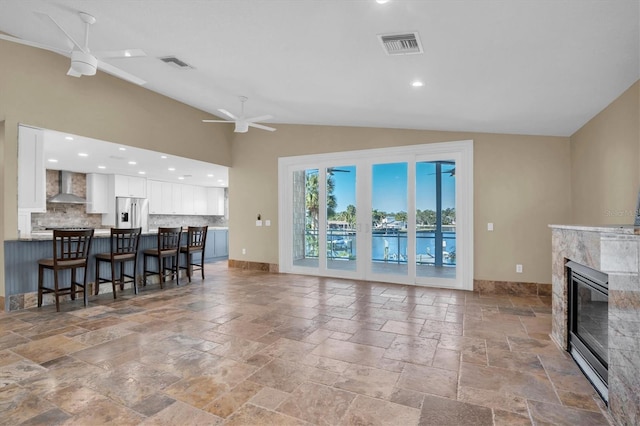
402 215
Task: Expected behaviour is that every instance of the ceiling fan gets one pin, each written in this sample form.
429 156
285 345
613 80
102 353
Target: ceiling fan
242 123
83 61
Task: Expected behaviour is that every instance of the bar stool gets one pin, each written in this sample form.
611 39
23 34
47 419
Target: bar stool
196 240
167 249
70 252
124 248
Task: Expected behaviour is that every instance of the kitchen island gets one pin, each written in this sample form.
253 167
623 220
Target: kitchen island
22 255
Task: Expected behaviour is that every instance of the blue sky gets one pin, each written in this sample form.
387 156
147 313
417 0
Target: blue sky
390 187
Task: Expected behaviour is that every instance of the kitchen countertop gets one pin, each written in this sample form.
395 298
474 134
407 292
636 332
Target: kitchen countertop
98 233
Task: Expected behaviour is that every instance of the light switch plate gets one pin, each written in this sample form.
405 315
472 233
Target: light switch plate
490 226
258 223
267 222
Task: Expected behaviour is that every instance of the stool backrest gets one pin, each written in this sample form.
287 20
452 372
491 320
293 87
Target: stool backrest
71 244
196 237
125 240
169 238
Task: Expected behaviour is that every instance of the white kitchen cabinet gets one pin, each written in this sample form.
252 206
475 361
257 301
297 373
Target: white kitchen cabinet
176 198
154 193
215 201
32 185
199 200
187 200
180 199
97 193
130 186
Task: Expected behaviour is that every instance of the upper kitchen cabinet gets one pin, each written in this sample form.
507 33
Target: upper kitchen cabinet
32 185
97 193
215 201
199 200
129 186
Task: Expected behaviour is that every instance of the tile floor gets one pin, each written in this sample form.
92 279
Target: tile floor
254 348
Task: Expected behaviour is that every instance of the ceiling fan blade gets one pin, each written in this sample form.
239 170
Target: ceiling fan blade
82 48
217 121
228 114
73 73
125 53
259 118
260 126
34 44
117 72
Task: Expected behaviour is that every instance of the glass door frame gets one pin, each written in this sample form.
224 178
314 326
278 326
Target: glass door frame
459 151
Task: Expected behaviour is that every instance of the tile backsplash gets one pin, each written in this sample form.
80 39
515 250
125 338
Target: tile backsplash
71 215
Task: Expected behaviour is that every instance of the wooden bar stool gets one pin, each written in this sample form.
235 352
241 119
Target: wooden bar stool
196 240
70 252
124 249
167 249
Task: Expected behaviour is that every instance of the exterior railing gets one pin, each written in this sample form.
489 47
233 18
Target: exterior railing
388 245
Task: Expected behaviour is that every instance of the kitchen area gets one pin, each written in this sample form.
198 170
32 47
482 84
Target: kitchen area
68 181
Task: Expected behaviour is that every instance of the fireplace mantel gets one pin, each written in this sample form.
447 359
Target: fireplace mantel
614 250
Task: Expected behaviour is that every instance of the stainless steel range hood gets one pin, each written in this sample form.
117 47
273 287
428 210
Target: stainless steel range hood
64 194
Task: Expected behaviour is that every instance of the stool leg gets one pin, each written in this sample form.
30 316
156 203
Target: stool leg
40 279
55 283
202 263
85 295
135 278
113 277
73 284
97 284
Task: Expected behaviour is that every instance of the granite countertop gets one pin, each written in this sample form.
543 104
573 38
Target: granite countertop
98 233
611 229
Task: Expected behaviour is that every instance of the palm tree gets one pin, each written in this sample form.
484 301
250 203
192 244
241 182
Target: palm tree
312 197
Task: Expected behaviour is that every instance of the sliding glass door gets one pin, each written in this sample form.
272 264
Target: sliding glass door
400 215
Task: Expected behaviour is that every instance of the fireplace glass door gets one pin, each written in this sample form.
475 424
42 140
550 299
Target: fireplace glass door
588 323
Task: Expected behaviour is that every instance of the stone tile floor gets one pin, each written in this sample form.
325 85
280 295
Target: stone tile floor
254 348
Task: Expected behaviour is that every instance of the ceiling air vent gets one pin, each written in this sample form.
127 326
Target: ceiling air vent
401 43
175 62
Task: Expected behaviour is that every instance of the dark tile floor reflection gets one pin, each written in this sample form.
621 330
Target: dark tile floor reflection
253 348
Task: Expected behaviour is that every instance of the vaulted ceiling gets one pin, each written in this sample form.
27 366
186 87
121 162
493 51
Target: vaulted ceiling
529 67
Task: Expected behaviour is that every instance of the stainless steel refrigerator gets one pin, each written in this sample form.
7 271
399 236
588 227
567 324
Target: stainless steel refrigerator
132 213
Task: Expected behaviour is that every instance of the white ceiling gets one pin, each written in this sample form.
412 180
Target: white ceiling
519 66
115 158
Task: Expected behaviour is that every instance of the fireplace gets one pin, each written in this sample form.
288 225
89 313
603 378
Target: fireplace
588 323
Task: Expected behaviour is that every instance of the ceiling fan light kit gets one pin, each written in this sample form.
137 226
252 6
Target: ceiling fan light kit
242 124
83 62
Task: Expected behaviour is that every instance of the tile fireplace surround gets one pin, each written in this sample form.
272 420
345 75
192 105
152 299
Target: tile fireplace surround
614 250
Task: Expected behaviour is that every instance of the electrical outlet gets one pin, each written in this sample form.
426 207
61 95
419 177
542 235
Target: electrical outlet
519 268
244 251
489 226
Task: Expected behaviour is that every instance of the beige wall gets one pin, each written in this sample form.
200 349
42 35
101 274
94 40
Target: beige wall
521 184
605 163
35 90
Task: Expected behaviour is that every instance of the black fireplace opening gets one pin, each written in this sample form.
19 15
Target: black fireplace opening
588 323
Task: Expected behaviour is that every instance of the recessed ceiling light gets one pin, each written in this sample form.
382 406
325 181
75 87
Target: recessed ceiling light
122 148
172 169
164 157
220 180
133 163
83 154
142 173
52 160
69 138
181 177
127 54
209 175
102 167
382 1
417 83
